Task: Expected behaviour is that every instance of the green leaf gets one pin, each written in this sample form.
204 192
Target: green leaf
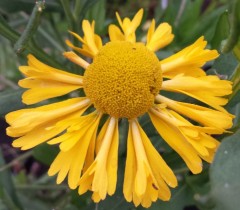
31 27
45 153
200 186
221 31
234 33
181 197
25 5
225 65
225 173
84 8
236 51
236 81
2 205
7 189
234 108
31 202
98 13
10 100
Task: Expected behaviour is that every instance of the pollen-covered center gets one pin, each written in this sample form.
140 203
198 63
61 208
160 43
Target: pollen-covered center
123 79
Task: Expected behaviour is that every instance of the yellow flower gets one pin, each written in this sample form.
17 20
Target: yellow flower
124 80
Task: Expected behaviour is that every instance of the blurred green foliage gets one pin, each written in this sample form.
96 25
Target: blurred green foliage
217 20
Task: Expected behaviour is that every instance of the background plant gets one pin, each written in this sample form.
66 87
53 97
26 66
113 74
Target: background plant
41 27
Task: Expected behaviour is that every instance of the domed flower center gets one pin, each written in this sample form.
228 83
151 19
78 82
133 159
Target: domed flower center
123 79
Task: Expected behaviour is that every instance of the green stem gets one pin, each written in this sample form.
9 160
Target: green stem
6 31
42 187
181 170
50 39
234 28
8 83
77 9
31 27
13 36
236 82
69 15
13 162
87 5
180 12
56 31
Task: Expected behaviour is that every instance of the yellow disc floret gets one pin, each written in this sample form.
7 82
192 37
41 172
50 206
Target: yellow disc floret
123 79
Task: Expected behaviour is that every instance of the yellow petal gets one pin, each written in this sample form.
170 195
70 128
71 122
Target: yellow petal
88 127
61 163
23 121
76 155
135 22
91 42
160 168
89 36
112 162
85 183
159 38
46 82
29 140
115 33
44 89
150 31
77 37
168 130
208 89
41 70
76 59
84 51
189 60
201 142
100 177
129 27
96 197
203 115
130 168
145 171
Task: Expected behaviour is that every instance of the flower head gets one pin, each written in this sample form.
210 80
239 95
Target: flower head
124 80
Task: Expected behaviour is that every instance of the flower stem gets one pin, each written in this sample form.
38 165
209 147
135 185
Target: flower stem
13 162
31 27
77 9
69 15
234 28
13 36
42 187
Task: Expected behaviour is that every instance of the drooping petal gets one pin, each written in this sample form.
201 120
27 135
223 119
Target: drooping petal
40 90
171 134
146 174
101 176
205 116
189 60
40 70
200 140
23 121
189 141
159 38
79 129
46 82
84 130
29 140
208 89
